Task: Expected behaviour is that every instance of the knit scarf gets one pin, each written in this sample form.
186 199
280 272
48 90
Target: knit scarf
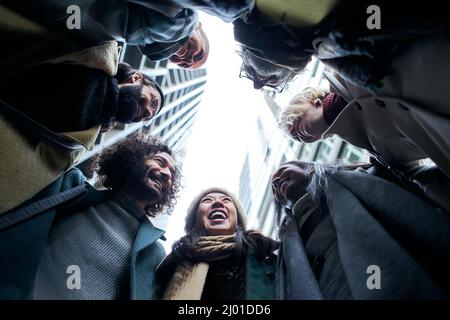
189 278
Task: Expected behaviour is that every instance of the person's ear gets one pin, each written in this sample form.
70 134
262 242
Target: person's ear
137 77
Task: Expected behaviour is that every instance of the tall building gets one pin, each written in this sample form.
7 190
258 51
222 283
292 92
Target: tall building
182 90
270 148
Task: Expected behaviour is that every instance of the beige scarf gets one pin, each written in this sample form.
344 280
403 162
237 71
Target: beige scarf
189 278
104 57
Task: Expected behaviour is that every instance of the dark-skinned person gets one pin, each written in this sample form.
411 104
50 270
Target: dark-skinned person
348 234
218 259
107 236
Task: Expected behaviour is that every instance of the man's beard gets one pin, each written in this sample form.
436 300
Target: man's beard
129 105
143 191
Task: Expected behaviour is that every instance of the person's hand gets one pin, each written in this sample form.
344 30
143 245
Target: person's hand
289 183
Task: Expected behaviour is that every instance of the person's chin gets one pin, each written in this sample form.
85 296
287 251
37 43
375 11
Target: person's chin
308 139
154 190
197 65
219 229
129 108
149 194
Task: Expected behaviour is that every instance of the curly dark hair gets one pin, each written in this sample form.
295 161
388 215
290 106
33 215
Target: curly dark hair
126 158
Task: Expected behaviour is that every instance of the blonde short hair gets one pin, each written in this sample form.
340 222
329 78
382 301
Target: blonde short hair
293 112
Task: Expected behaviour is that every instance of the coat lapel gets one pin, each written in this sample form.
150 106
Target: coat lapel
144 259
338 87
21 245
375 229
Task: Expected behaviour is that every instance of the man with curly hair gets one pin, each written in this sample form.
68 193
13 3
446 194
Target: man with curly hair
103 245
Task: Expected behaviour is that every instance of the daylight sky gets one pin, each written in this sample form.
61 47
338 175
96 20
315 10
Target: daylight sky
217 146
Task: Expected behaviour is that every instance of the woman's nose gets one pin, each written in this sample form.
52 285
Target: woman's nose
217 203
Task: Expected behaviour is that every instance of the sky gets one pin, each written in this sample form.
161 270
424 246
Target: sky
215 151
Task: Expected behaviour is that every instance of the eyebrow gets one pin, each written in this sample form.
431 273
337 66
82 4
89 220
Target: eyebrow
210 197
166 163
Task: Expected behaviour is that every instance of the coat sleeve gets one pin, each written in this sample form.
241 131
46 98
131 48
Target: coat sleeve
379 223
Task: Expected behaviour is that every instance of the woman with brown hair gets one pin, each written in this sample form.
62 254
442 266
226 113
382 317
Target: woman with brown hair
218 259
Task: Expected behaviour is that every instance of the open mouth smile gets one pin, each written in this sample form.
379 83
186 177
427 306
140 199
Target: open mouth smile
217 215
155 183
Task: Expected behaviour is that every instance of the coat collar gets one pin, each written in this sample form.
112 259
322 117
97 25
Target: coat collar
129 205
147 234
338 87
145 255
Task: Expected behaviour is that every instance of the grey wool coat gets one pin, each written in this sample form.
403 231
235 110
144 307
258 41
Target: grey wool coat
367 222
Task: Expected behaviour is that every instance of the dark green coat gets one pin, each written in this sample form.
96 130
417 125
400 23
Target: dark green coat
260 278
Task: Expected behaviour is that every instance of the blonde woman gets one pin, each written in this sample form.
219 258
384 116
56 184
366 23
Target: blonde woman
404 120
397 133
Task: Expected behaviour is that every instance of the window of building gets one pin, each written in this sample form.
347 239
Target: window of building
351 154
266 204
315 67
268 152
323 152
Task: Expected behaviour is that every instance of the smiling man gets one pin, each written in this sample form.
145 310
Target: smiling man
107 234
218 259
74 98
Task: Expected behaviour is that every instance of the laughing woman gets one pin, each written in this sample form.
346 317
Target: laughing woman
218 259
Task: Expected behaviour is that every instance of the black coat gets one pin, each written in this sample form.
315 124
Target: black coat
64 97
342 40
